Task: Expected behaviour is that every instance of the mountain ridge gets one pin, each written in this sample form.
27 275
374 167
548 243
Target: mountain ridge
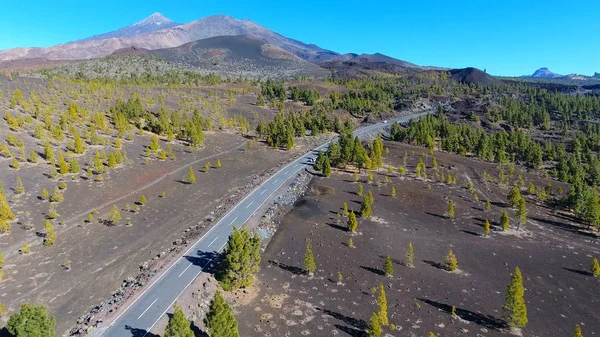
152 23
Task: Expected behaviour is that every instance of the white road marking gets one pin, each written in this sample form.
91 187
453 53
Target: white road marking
151 304
261 193
186 268
275 181
250 204
232 221
213 241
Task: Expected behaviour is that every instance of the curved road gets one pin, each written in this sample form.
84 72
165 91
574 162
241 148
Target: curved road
143 313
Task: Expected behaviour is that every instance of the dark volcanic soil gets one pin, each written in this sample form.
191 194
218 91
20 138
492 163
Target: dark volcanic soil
552 253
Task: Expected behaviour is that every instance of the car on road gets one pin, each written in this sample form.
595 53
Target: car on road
311 160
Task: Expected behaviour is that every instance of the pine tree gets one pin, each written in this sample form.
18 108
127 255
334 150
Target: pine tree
63 167
154 146
488 205
15 163
143 199
220 320
178 325
514 195
118 143
309 259
345 209
577 332
31 321
355 176
352 222
112 161
505 221
19 189
393 192
382 304
115 215
57 196
451 209
5 213
365 207
78 144
74 165
191 176
486 227
48 153
388 267
350 243
595 268
242 258
327 168
374 329
218 163
451 261
50 234
521 212
359 190
514 306
410 256
370 197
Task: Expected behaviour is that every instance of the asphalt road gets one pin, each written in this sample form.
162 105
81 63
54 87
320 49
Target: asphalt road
141 316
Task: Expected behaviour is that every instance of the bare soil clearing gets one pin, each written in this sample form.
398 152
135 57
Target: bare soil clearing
552 252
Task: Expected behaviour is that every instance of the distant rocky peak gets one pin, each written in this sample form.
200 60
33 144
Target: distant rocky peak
154 19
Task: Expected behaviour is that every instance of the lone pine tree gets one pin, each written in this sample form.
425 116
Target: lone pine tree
191 176
451 209
382 304
505 221
595 268
514 306
486 227
388 267
352 222
577 332
410 256
178 325
327 168
374 328
365 207
220 320
242 258
451 261
115 215
309 259
521 212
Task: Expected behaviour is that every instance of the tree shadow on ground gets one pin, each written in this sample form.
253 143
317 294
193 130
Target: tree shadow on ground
353 322
579 271
500 204
135 332
183 182
197 331
435 264
565 226
352 331
487 321
292 269
373 270
469 232
4 333
441 216
208 261
336 226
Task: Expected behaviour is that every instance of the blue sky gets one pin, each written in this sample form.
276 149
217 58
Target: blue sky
505 37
